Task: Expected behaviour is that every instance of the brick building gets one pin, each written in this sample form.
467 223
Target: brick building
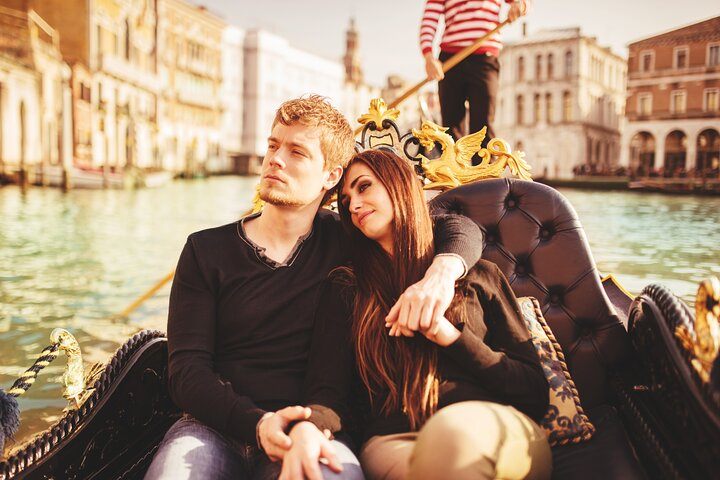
673 102
34 93
111 46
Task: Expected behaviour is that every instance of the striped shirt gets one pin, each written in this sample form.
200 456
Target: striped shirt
465 22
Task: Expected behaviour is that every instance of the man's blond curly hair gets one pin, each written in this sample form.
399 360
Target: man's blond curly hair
337 140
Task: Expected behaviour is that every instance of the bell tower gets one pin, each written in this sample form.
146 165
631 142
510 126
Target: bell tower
353 69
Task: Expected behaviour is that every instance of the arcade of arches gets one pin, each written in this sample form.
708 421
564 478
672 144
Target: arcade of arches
676 161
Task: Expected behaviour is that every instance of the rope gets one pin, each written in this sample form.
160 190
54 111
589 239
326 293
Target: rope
27 379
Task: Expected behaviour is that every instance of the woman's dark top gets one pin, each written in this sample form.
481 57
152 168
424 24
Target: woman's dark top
492 360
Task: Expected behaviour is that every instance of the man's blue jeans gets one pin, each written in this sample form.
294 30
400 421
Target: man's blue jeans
192 450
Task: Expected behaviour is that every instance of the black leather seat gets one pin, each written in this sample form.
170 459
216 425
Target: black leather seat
534 235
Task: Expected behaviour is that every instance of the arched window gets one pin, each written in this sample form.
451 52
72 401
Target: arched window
521 69
707 161
538 67
549 112
675 153
568 63
519 108
537 114
550 66
128 44
567 107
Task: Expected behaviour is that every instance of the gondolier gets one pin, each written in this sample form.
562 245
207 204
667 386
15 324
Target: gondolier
475 78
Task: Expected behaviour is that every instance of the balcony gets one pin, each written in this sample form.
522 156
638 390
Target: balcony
126 71
15 35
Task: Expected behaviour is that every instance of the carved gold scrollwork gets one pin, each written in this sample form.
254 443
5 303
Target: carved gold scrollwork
454 166
73 377
703 339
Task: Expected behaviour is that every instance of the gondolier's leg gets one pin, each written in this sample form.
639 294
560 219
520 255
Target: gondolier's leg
192 450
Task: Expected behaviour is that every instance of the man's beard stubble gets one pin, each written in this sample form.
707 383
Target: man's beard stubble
268 195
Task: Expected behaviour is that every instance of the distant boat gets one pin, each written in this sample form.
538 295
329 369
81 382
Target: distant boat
677 185
52 175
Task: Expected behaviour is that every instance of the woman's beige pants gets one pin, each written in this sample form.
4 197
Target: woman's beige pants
468 440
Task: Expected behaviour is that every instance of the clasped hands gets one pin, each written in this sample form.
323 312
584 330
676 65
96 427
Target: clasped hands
302 449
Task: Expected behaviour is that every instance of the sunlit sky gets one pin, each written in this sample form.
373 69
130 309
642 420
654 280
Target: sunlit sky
389 28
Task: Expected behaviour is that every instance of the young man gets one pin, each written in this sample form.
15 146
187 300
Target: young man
241 307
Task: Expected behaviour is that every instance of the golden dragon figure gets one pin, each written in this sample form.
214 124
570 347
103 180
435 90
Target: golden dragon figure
454 166
703 340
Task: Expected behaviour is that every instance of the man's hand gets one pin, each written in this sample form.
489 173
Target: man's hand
433 67
271 430
517 10
310 447
422 305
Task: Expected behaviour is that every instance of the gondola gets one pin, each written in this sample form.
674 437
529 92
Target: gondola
642 372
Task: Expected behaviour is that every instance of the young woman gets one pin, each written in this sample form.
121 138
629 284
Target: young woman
454 399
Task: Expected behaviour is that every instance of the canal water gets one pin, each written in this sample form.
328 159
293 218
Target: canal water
75 260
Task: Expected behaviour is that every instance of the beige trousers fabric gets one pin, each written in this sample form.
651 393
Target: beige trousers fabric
468 440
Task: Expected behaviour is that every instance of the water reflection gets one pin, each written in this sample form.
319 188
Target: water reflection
649 238
76 260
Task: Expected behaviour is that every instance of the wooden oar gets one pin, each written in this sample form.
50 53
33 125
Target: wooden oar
447 65
133 306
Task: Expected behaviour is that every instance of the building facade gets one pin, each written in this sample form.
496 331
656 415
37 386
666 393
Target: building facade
276 71
190 40
232 98
35 103
561 101
112 47
673 102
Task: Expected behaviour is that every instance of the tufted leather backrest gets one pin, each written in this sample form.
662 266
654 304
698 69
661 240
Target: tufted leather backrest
533 234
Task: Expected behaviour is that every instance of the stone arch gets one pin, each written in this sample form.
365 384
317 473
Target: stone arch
707 161
675 153
642 152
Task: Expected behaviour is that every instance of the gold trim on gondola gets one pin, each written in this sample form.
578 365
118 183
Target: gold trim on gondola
73 378
377 113
703 340
454 166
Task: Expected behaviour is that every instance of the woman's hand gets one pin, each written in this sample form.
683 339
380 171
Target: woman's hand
310 447
443 333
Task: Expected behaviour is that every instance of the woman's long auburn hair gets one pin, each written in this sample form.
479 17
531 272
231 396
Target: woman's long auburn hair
406 367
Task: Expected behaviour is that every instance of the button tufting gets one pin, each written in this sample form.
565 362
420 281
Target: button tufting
511 203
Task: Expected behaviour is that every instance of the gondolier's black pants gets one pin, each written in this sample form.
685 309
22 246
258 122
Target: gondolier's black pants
475 79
